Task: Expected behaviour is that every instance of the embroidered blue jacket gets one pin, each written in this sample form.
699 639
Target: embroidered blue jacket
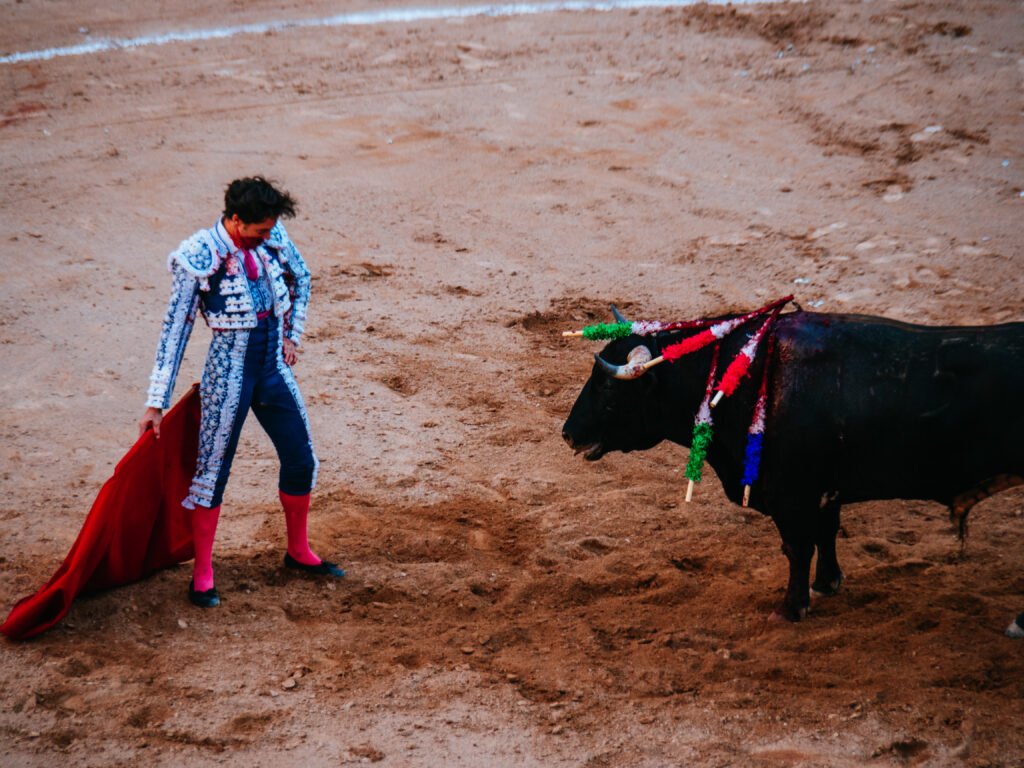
209 277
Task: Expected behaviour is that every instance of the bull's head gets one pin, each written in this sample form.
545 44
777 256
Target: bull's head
617 409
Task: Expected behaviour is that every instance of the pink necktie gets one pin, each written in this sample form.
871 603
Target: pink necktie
250 266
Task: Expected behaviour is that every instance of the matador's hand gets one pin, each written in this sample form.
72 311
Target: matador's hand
291 355
151 418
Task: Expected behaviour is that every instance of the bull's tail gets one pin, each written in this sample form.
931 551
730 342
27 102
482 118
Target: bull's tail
965 502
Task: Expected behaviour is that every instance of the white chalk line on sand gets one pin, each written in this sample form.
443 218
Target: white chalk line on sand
358 18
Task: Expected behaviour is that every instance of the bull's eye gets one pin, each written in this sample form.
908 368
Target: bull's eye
605 397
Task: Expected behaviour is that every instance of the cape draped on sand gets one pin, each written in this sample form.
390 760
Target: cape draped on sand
136 525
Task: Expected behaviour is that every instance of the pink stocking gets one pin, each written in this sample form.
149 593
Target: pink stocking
204 527
296 510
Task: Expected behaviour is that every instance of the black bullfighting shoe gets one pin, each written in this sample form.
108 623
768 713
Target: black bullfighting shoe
323 568
206 599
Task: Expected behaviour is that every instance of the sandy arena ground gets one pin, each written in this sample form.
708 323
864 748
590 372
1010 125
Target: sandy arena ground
470 188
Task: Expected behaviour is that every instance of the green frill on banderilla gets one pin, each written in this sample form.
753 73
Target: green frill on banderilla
702 434
607 331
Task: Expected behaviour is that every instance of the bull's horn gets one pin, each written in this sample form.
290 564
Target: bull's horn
618 315
634 367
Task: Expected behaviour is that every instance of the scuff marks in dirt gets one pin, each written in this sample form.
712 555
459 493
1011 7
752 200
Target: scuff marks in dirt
795 23
21 111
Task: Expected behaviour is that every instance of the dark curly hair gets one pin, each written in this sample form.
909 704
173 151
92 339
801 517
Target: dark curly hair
255 199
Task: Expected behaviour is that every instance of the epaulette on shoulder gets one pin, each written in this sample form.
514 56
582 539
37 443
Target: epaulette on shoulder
287 254
198 255
278 238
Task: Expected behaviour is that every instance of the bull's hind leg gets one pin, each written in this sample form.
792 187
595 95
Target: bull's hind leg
827 575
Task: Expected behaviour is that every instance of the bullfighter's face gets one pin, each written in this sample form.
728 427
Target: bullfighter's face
251 234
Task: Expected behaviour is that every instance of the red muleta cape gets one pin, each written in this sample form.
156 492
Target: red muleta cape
136 525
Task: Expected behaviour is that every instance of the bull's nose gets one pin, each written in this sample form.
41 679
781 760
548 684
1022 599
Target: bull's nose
567 437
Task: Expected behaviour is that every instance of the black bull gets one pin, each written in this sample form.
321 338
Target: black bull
859 408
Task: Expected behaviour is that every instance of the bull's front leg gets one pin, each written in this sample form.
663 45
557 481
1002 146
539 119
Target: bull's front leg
798 547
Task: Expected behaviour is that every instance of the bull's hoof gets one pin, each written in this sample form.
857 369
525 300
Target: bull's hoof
783 613
827 588
1015 630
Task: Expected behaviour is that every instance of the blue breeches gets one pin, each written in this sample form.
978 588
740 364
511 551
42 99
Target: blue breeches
268 388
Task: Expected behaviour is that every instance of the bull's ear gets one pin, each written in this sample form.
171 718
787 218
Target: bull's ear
649 381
